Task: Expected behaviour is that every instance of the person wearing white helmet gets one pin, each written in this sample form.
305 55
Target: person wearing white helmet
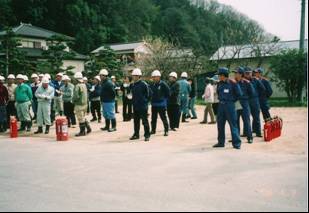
47 75
141 95
95 99
4 98
160 94
127 99
88 85
67 91
57 103
10 108
117 89
23 96
26 81
41 76
185 90
173 106
108 96
34 86
192 100
44 94
80 101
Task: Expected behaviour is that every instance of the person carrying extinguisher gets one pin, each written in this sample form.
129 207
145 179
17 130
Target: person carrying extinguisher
44 95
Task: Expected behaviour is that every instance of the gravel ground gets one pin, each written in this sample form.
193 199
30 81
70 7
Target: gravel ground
107 172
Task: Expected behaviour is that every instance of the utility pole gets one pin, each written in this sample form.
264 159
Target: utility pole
303 25
302 43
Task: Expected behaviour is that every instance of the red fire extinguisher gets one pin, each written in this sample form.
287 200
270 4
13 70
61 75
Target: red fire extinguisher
268 131
13 127
62 129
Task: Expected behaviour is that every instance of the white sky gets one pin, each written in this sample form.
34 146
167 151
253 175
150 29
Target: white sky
279 17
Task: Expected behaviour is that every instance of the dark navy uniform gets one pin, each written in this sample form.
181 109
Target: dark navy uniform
108 95
141 95
160 94
228 93
255 105
247 92
264 96
173 106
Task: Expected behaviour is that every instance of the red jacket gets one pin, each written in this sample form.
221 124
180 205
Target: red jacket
4 95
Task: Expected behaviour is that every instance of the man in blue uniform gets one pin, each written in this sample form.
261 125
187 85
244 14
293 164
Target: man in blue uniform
254 103
108 95
247 91
141 96
228 93
160 94
264 96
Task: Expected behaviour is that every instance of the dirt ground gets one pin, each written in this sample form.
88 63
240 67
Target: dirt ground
182 172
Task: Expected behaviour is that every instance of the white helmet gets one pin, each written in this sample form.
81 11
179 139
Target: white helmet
156 73
85 78
137 72
11 76
45 80
98 78
173 74
34 75
184 75
47 76
60 74
78 75
2 78
66 78
26 78
113 77
20 76
104 72
41 75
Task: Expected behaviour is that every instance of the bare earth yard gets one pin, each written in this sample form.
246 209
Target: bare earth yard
107 172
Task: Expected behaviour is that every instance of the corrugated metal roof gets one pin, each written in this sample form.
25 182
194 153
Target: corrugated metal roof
29 30
250 51
120 47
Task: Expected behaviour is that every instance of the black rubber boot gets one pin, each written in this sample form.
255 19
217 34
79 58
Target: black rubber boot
113 129
107 125
39 131
22 126
134 137
82 132
218 146
89 130
47 129
184 119
29 125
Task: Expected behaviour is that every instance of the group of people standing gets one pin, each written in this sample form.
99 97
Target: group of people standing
173 101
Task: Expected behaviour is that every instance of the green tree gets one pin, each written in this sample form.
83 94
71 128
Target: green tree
105 59
289 68
13 59
56 53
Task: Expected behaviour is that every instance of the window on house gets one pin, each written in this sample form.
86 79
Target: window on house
37 45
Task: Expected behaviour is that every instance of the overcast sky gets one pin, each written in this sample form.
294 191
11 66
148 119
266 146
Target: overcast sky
279 17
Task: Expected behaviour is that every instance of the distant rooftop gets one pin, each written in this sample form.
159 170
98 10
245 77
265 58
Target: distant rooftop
248 51
120 47
28 30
